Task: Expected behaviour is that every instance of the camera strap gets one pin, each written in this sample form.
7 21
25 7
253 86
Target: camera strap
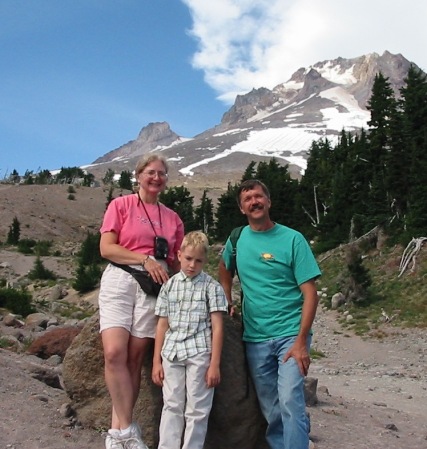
148 216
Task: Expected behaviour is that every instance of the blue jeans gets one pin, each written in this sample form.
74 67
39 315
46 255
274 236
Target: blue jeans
280 390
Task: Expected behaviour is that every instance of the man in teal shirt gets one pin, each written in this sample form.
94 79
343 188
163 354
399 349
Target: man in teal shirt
277 271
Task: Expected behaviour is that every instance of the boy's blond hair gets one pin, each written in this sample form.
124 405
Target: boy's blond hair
196 239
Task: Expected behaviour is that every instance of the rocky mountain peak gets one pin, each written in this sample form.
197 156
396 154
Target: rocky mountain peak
154 135
316 102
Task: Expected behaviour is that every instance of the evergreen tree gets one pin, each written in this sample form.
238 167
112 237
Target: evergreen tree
14 176
89 251
43 177
40 272
383 108
125 181
250 172
14 232
228 215
87 277
109 196
414 112
68 174
88 179
203 215
180 200
108 178
315 186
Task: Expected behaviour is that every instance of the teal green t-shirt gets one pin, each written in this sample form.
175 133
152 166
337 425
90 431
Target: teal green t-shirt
271 265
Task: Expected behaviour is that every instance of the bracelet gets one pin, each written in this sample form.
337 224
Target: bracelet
145 261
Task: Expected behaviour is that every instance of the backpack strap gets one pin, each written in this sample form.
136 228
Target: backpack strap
234 236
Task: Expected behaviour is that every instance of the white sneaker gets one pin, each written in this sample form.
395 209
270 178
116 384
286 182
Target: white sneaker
134 440
112 440
133 443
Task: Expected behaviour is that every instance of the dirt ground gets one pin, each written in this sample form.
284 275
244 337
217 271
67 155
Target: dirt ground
372 394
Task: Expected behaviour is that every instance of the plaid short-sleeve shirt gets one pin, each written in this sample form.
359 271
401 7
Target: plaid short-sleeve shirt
188 303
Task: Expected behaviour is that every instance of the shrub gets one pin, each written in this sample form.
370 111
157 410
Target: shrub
42 248
14 232
87 278
17 301
26 246
40 272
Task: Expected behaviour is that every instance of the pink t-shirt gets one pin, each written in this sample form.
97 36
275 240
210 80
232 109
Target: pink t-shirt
126 216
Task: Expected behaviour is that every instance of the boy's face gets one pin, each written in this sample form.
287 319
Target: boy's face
192 260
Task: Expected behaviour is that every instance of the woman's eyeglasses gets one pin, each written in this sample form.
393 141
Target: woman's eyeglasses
153 173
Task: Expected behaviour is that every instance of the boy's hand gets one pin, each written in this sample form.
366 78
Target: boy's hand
157 374
213 377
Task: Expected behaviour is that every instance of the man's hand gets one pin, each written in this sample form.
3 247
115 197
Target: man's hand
299 352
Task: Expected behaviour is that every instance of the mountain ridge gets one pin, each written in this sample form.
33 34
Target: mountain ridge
316 102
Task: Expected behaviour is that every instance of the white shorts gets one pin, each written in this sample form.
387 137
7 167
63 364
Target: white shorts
123 303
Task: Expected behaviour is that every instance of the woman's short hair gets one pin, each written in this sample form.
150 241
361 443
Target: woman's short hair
148 159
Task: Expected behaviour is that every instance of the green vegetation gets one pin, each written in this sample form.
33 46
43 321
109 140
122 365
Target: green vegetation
403 299
125 180
14 232
31 246
316 354
17 301
39 271
89 260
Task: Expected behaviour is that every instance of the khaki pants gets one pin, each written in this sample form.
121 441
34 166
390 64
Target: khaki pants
187 402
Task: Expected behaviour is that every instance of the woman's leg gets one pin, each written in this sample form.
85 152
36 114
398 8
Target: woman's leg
138 348
137 351
117 376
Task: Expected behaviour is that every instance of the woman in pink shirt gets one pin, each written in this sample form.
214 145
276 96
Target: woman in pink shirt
137 233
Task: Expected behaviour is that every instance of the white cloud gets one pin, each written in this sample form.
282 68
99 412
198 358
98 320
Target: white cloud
245 44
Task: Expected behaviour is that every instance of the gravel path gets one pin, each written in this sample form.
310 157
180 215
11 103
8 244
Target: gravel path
372 395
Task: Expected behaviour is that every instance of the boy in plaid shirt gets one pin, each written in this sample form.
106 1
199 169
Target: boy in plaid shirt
188 346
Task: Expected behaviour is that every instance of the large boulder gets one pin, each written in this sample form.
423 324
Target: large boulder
235 421
55 341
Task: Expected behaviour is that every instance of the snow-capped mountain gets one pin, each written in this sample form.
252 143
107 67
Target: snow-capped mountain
316 102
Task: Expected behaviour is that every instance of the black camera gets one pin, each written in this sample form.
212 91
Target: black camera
161 248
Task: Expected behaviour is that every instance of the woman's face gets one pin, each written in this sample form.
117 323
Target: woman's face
153 178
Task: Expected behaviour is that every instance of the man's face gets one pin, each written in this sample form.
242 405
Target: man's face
254 203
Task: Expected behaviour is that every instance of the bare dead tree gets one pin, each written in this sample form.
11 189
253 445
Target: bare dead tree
410 254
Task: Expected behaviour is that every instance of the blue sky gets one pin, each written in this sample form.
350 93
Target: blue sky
80 78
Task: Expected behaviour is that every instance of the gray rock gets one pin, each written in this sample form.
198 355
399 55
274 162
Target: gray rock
36 320
337 300
235 421
310 391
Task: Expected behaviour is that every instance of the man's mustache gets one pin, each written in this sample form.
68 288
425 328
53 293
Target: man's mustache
256 207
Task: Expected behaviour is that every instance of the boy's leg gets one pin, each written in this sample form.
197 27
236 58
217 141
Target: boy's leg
199 401
172 420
